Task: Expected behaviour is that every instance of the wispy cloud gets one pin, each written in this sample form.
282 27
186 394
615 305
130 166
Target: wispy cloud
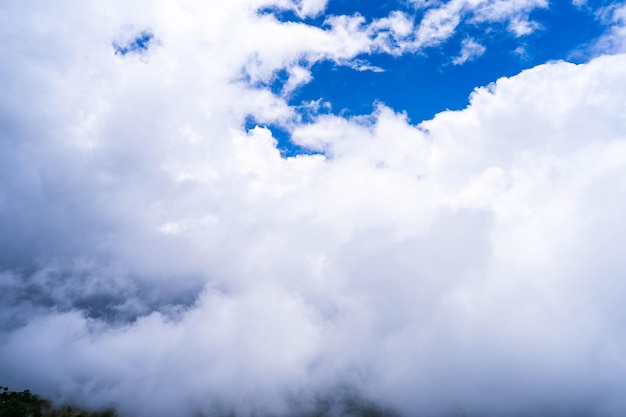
614 39
470 50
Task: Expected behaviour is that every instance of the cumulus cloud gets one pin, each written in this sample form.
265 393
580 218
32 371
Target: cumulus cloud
159 257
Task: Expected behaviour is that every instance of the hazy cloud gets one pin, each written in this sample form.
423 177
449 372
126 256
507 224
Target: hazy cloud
157 256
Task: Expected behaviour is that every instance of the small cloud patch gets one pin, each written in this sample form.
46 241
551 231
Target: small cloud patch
470 50
136 45
284 144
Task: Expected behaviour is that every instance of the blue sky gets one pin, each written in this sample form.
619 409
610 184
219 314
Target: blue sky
269 207
425 83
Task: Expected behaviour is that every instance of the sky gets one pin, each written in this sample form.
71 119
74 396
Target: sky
276 207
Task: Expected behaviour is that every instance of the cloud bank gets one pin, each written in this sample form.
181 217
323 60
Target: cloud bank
158 256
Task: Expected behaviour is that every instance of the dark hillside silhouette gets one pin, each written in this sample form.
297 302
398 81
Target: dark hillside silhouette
27 404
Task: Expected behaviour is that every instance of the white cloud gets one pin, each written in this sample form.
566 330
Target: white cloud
304 8
614 39
505 10
441 21
153 248
523 27
470 51
439 24
298 76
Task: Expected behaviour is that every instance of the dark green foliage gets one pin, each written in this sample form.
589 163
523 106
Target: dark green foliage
26 404
21 404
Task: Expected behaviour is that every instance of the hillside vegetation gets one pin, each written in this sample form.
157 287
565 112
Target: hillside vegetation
27 404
